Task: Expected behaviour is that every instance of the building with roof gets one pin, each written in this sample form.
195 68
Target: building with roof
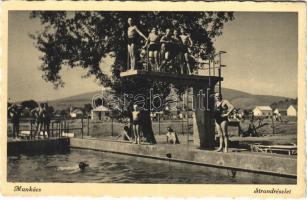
262 111
75 112
100 113
280 111
292 111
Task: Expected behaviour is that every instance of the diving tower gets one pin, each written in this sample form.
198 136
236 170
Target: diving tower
199 111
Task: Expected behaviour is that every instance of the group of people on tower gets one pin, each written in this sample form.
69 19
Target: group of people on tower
162 50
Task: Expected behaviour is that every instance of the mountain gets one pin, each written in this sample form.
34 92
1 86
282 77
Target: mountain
73 101
238 98
249 101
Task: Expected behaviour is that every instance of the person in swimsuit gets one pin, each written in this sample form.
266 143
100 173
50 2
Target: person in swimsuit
39 113
187 43
81 167
15 113
132 40
177 47
166 42
153 48
222 109
47 119
136 124
171 136
125 135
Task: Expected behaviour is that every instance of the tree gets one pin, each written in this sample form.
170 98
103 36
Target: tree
85 39
31 104
87 108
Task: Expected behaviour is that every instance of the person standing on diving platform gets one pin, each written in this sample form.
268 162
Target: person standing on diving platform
132 41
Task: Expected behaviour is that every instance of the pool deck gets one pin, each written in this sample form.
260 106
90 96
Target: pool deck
236 160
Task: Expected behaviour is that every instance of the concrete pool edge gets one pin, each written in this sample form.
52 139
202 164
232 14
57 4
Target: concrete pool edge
51 145
265 164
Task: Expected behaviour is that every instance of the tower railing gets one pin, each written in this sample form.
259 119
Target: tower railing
176 64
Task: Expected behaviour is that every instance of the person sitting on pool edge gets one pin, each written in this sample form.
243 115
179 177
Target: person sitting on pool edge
171 136
125 134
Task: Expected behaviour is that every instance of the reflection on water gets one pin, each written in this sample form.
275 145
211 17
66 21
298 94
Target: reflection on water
104 168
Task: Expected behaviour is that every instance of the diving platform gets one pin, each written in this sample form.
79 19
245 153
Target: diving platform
201 120
181 79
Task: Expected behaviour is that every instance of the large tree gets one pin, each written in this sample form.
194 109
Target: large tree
85 39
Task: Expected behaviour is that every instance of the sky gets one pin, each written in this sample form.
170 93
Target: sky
261 58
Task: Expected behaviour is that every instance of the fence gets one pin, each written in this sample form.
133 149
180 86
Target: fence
83 127
58 127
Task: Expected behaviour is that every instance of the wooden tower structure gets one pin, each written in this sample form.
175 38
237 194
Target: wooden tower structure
199 105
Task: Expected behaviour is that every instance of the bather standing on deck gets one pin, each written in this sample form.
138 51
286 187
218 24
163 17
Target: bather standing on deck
136 124
39 115
14 113
46 119
222 109
132 41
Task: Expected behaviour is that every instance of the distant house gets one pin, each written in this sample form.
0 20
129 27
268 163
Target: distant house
75 113
262 111
292 110
280 111
100 113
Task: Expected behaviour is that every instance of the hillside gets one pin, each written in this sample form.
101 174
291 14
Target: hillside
237 98
248 101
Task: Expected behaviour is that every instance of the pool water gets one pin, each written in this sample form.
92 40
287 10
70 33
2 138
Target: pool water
104 168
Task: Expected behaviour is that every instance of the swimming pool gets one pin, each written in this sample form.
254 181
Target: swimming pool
105 168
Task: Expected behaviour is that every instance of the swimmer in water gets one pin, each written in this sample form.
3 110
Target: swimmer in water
80 167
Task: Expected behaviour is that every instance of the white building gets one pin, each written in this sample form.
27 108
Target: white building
75 113
280 111
292 110
100 113
262 111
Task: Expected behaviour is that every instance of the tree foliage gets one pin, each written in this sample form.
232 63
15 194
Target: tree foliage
31 104
84 39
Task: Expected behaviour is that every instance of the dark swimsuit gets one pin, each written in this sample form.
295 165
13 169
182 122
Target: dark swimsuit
131 40
176 46
153 47
167 45
185 49
218 111
137 122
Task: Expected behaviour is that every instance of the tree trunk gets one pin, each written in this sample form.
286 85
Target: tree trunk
147 127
